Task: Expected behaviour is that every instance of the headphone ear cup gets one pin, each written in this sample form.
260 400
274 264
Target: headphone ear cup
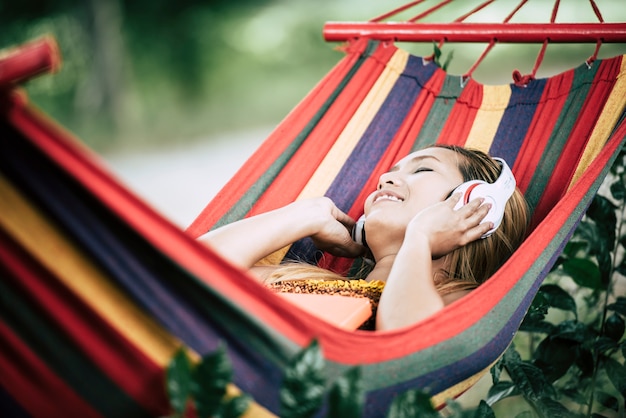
467 191
497 194
480 189
358 231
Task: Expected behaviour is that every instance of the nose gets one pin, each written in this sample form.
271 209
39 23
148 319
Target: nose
390 178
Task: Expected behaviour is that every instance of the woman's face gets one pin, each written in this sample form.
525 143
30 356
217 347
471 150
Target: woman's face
419 180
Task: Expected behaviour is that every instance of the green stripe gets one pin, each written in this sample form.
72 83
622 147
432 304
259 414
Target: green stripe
581 85
439 112
68 362
247 201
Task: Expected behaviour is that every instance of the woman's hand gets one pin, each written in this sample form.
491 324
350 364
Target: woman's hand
249 240
332 228
447 229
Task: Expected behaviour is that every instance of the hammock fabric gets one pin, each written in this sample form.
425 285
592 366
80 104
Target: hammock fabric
98 290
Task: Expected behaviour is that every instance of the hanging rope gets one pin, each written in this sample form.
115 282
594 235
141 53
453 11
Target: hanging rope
592 58
489 33
492 43
461 19
523 80
396 11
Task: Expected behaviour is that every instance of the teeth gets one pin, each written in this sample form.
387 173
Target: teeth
388 197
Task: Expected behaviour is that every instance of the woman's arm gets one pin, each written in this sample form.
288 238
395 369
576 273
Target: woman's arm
410 294
249 240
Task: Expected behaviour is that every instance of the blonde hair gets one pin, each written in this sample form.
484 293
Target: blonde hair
468 266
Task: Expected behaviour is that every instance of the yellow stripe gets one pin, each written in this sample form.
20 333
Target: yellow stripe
609 117
47 244
440 399
332 163
330 166
494 103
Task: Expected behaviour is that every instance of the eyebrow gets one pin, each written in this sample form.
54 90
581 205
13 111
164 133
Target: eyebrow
418 158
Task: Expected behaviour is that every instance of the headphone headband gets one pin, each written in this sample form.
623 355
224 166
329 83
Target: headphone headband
506 181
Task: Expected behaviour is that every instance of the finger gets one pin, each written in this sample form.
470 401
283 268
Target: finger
479 213
344 219
350 249
477 209
477 232
453 199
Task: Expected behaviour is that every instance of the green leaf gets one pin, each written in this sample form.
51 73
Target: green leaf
573 248
484 411
617 374
411 404
234 407
573 331
554 356
619 306
604 344
436 52
447 61
210 379
528 378
178 381
558 298
614 327
347 395
585 362
583 271
602 211
501 390
302 391
496 370
553 409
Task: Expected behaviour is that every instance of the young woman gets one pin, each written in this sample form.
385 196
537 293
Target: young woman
428 252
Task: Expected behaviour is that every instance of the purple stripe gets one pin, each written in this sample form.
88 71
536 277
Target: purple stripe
516 120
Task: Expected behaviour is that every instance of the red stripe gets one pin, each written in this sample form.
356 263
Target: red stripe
33 385
579 136
109 351
461 118
300 168
275 144
468 192
541 127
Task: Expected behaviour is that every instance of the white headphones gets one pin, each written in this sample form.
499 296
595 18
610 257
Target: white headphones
497 193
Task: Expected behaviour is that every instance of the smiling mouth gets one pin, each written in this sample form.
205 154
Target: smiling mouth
388 197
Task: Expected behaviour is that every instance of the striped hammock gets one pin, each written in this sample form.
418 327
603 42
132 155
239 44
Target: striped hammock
98 290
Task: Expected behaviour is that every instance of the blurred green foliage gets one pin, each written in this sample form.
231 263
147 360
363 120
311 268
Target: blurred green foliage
152 71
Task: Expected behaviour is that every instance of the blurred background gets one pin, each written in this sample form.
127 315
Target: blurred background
175 95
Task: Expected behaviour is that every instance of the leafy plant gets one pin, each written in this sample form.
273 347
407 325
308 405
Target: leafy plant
437 53
304 388
573 334
203 386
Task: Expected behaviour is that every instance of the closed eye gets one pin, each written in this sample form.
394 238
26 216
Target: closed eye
422 169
